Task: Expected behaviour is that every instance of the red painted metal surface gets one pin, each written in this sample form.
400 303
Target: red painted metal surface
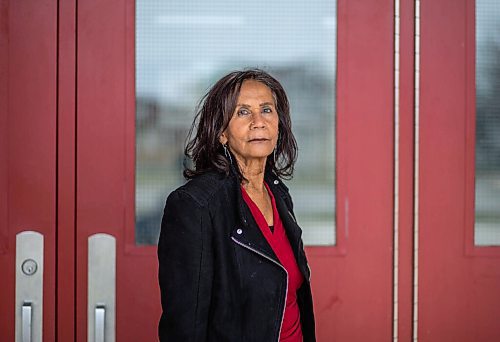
353 292
406 166
105 165
66 171
4 96
459 297
28 40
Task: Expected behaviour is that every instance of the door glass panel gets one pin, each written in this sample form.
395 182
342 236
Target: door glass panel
487 205
183 47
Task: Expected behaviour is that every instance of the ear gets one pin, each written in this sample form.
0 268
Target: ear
223 138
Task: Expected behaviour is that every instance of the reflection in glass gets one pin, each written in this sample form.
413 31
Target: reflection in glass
487 204
183 47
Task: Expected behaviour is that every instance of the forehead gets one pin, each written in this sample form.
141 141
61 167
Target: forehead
255 90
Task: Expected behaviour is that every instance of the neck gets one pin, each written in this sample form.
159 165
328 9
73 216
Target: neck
253 171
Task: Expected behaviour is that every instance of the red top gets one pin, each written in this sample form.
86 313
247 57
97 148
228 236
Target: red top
290 328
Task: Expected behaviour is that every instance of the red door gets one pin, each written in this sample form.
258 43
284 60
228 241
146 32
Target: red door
105 193
459 276
352 281
28 123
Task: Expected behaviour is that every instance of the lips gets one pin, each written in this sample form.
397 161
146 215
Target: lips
258 140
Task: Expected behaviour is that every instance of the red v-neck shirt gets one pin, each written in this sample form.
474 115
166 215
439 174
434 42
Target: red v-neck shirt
290 328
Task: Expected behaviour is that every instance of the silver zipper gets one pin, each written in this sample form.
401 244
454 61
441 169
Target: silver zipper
277 263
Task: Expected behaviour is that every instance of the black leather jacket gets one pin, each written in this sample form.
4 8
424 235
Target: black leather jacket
219 278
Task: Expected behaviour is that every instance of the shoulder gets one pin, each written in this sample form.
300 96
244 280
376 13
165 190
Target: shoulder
202 189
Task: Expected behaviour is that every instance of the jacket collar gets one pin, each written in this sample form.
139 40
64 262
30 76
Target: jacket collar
279 190
248 232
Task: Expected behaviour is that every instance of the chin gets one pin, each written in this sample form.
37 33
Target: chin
260 153
256 155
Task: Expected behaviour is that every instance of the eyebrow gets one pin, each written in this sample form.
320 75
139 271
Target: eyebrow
262 104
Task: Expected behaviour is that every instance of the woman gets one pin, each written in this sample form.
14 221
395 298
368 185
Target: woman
231 260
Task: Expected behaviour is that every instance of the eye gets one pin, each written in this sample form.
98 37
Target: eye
267 110
243 111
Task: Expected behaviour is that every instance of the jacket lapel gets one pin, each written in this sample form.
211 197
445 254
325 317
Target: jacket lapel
280 192
247 233
293 231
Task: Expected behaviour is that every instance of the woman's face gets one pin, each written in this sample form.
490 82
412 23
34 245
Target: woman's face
252 132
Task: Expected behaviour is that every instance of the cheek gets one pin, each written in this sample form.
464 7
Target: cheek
236 135
275 127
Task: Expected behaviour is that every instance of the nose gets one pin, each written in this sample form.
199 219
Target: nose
258 121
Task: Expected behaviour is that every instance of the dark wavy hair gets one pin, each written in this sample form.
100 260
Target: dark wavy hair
213 113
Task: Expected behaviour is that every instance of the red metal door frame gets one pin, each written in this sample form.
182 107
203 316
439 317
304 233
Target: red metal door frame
105 151
66 172
352 283
459 283
28 93
406 154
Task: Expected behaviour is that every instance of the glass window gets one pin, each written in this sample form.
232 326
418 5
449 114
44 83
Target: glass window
183 47
487 204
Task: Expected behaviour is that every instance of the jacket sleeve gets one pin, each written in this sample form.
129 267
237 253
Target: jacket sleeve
185 269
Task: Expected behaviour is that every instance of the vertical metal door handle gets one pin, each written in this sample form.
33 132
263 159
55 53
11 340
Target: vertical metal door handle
29 287
101 286
26 322
100 314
